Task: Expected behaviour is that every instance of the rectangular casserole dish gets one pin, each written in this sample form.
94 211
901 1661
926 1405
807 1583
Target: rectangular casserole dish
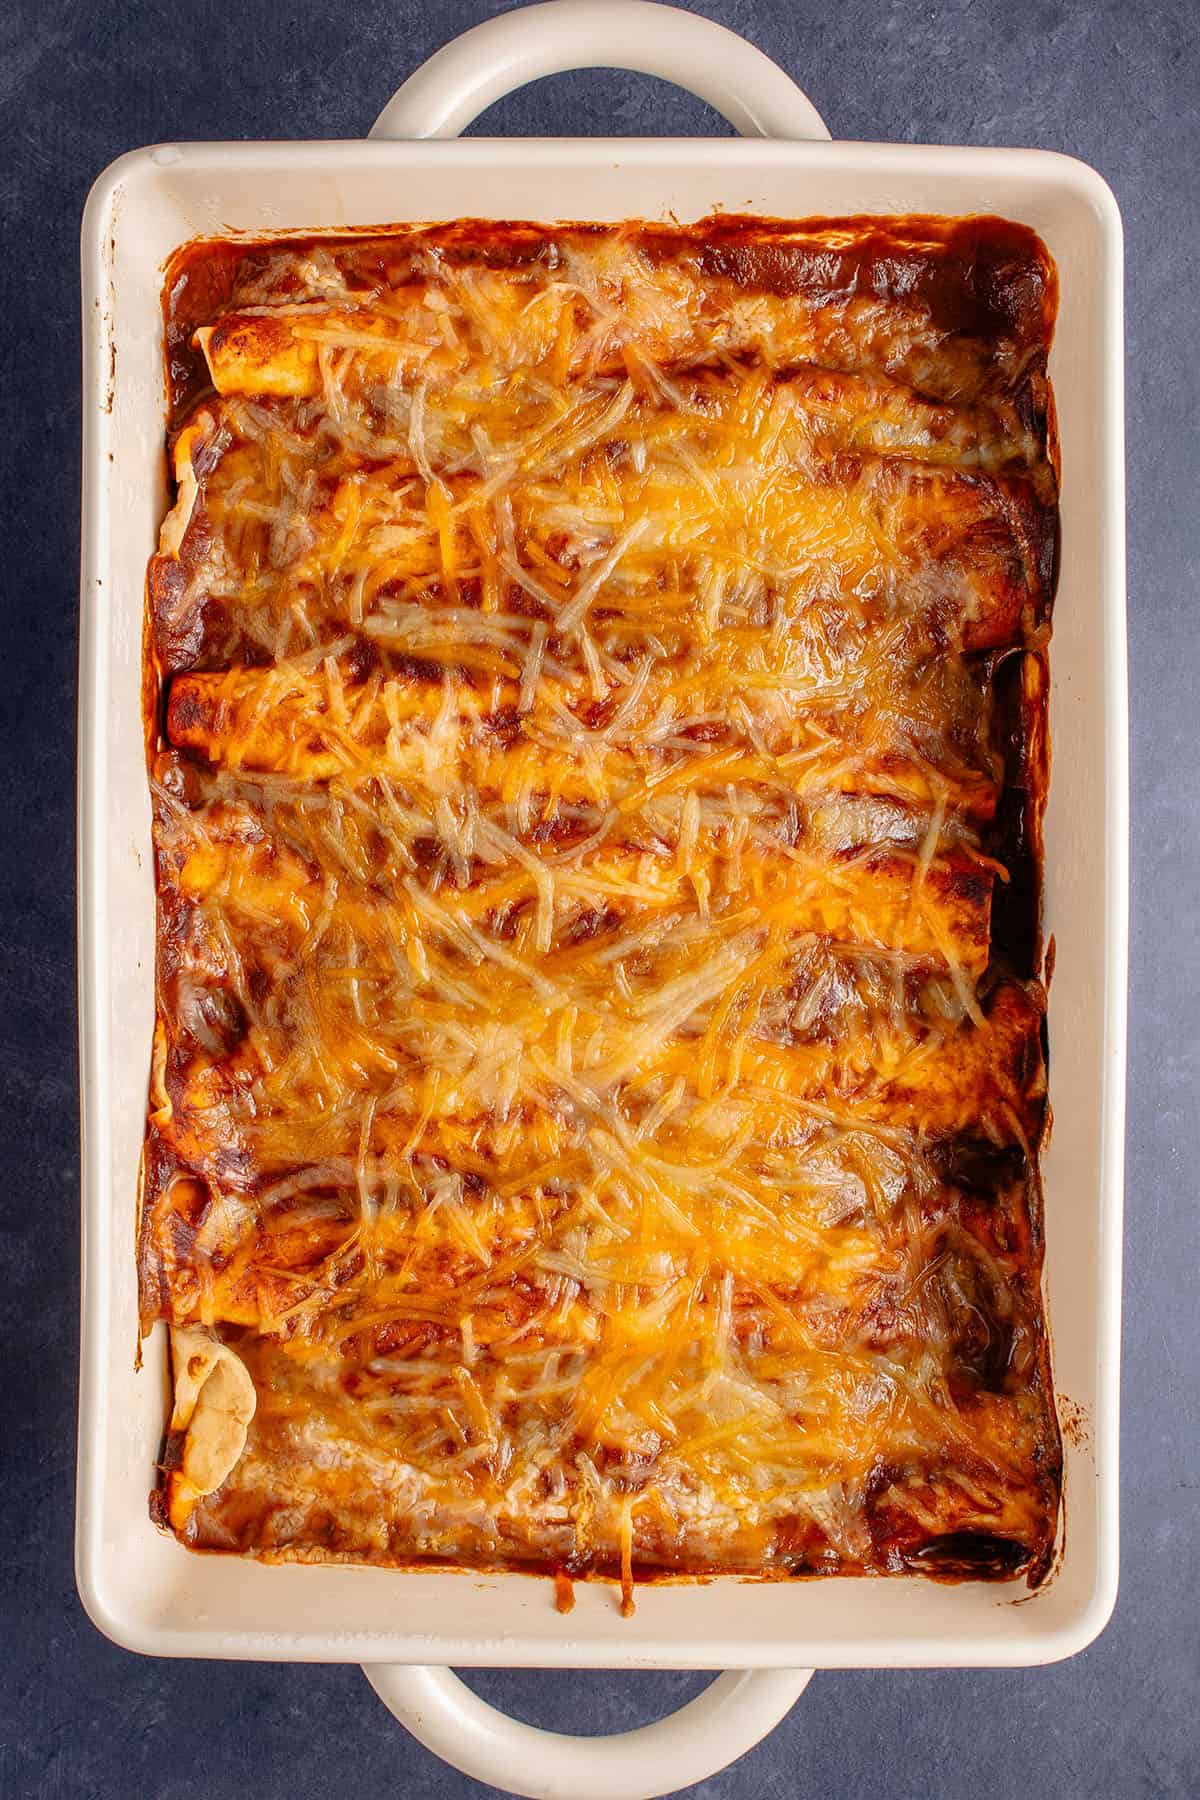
144 1590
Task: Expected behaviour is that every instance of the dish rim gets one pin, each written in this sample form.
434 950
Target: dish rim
1083 186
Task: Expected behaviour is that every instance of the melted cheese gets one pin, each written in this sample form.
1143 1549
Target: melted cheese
575 918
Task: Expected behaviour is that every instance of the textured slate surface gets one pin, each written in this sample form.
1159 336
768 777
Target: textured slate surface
1113 83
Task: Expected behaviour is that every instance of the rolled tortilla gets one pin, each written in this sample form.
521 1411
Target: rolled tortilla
215 1401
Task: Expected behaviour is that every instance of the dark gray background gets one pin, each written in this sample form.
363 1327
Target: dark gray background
1113 83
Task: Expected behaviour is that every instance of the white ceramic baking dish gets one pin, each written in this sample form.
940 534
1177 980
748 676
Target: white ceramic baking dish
141 1588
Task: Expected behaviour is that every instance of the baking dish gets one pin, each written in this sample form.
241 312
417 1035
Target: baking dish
144 1590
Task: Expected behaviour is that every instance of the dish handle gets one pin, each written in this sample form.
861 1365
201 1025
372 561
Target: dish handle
471 72
706 1735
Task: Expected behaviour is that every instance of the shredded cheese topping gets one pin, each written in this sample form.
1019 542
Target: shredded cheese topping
577 849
